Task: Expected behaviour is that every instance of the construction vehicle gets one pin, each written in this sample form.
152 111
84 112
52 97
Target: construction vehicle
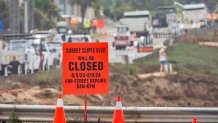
18 56
122 38
145 44
138 22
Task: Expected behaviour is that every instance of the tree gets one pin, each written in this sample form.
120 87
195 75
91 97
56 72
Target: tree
4 13
84 4
46 14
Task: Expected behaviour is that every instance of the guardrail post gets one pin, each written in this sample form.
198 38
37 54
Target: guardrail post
19 69
6 70
170 68
166 70
32 69
25 68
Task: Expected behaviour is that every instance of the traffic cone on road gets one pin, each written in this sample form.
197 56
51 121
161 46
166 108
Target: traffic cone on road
59 116
118 113
194 120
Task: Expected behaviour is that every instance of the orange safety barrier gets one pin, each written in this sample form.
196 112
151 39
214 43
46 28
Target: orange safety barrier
145 49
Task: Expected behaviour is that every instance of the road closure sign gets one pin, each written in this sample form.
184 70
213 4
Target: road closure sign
85 68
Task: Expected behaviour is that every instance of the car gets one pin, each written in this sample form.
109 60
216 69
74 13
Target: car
78 38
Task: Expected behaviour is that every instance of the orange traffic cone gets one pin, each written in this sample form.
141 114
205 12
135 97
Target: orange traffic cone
194 120
118 113
59 116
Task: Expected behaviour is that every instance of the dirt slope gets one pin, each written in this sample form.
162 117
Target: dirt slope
207 34
173 90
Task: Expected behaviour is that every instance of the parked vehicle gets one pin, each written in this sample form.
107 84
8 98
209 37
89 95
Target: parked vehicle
145 44
122 38
138 22
78 38
18 57
46 57
39 43
55 47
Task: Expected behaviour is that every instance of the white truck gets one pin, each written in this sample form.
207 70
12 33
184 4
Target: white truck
18 56
70 38
46 57
138 22
49 54
55 47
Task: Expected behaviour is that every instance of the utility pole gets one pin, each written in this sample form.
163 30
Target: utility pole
31 7
26 24
65 7
28 15
14 21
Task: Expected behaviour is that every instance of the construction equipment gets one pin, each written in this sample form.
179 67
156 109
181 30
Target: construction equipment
138 22
18 56
122 38
145 44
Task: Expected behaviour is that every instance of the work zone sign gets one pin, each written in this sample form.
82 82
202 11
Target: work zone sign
85 68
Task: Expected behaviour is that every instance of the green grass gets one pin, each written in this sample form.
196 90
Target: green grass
49 77
191 58
94 36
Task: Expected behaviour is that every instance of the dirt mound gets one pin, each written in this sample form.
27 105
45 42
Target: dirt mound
207 34
171 90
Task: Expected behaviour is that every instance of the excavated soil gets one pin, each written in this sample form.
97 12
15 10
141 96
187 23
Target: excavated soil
171 90
208 34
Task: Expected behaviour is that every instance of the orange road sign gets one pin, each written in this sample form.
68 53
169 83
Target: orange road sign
85 68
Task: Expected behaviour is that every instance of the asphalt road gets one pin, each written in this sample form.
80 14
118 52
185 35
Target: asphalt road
121 56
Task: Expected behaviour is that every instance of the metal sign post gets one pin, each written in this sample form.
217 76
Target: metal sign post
85 69
85 108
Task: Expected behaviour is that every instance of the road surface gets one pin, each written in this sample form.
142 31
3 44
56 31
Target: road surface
121 56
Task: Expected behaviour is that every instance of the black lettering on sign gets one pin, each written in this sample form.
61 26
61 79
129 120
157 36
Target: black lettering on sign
100 50
86 66
88 50
82 58
91 58
68 80
73 50
90 85
81 86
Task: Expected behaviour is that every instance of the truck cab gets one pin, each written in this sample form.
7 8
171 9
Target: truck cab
122 38
18 57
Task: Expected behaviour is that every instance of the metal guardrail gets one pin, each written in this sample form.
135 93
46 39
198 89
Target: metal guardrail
45 113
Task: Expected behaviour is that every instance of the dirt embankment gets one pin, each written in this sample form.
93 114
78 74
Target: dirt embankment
208 34
172 90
